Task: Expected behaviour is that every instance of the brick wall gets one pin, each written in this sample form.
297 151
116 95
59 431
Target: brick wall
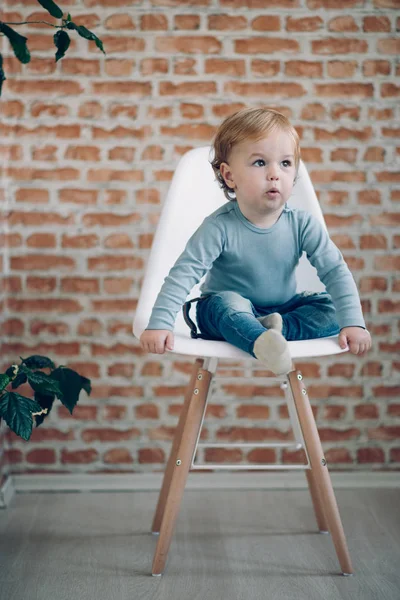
3 318
89 146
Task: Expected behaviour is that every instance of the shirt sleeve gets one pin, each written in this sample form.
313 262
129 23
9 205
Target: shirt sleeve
202 249
333 271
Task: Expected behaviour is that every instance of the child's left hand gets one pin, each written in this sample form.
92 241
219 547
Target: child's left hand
358 340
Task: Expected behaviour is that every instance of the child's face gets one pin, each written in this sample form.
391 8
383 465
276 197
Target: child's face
254 169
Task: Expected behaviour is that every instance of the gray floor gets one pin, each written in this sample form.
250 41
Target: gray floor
229 545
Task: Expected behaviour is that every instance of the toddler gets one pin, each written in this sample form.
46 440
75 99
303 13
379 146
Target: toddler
250 247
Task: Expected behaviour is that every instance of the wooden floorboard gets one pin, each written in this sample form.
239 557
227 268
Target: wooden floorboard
228 545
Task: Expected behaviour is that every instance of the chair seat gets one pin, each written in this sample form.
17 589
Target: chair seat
184 344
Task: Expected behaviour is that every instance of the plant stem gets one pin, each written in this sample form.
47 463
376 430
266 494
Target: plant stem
27 22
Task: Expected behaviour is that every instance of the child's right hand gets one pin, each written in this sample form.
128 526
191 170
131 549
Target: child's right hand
157 340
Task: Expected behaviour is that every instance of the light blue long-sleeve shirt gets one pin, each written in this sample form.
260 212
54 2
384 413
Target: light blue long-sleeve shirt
257 263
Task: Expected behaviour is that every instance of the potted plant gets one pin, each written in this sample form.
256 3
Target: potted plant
20 412
61 37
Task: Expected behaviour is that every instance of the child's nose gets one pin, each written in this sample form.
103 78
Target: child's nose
272 172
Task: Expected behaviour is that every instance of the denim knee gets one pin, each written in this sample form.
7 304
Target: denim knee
233 302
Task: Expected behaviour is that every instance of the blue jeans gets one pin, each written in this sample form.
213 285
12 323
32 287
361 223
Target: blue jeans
230 317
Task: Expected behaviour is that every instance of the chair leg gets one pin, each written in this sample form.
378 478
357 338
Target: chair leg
190 427
158 515
320 471
317 502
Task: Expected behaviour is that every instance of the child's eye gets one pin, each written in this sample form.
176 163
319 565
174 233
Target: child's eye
258 160
288 163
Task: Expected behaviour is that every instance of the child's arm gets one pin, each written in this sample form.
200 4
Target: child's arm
202 249
333 271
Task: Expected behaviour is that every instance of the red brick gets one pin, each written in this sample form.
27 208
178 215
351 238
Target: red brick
44 305
262 456
121 370
188 44
41 284
343 23
366 411
304 23
109 435
152 369
371 68
252 411
117 455
41 456
376 23
119 21
338 455
373 242
332 435
90 327
80 285
372 369
41 240
12 327
147 411
187 22
151 455
56 328
41 262
370 455
112 413
224 22
32 195
223 455
341 370
79 457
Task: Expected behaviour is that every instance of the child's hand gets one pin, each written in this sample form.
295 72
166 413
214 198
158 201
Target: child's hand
358 340
157 340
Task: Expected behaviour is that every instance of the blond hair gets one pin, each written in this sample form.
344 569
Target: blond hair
248 123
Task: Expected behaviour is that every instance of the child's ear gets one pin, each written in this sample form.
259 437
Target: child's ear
226 174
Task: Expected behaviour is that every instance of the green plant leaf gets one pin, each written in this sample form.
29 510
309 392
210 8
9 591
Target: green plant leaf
12 371
4 381
45 401
86 385
62 42
17 411
71 384
85 33
40 382
36 361
69 18
19 380
2 75
52 8
18 43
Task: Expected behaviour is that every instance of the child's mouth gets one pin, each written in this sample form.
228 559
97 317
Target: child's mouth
272 193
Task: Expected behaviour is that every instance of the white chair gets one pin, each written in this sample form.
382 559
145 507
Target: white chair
194 193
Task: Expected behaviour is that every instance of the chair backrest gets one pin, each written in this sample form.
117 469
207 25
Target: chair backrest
194 193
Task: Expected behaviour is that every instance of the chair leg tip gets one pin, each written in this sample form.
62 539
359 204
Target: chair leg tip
347 574
324 531
156 574
155 533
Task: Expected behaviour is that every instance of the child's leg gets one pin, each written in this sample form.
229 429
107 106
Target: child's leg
228 316
309 316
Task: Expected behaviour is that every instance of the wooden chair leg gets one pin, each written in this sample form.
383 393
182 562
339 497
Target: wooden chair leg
191 424
320 470
317 502
158 515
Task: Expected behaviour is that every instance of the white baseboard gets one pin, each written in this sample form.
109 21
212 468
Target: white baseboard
7 491
137 482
